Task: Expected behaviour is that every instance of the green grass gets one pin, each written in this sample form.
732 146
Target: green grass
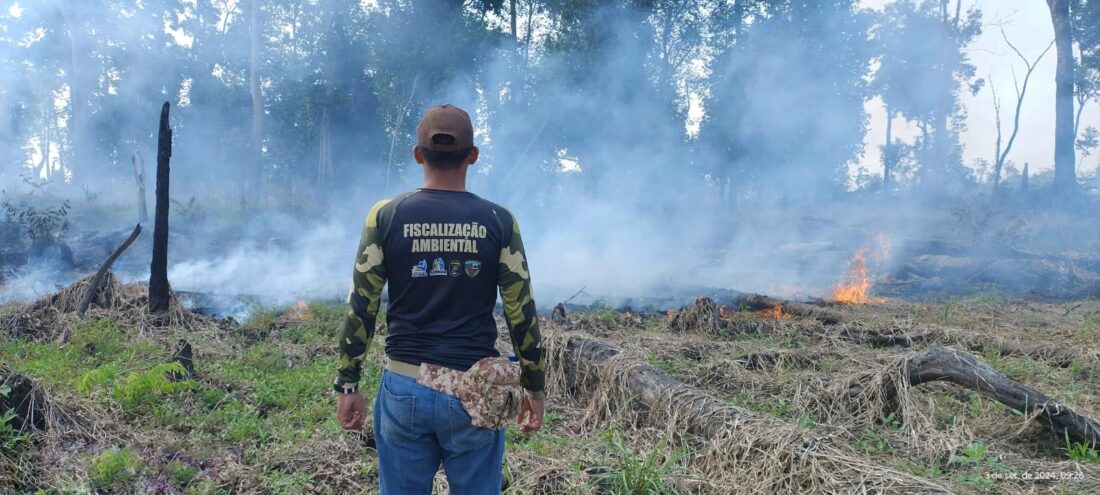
1089 332
264 404
674 367
975 462
115 468
1081 451
873 441
637 472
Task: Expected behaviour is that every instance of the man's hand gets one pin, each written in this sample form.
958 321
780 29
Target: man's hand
351 410
533 409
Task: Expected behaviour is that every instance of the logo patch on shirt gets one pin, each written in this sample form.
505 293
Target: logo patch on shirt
473 267
454 268
420 269
438 267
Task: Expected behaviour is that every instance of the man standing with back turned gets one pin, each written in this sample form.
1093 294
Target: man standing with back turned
445 395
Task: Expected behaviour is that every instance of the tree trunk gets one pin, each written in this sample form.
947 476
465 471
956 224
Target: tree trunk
1024 179
139 177
1065 175
888 150
78 83
324 147
253 176
512 15
158 276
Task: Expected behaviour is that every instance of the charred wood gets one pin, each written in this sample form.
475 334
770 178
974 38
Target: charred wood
159 291
97 280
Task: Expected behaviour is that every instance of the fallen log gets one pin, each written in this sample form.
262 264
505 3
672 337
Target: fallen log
97 281
706 415
763 454
827 316
938 363
1060 356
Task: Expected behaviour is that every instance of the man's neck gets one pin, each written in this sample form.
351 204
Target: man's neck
446 180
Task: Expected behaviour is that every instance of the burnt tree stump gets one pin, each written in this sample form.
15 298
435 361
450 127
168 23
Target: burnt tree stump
158 276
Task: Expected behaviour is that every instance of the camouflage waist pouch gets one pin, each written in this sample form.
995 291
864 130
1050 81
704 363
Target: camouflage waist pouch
490 390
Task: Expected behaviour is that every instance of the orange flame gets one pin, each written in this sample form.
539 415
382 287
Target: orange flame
724 313
776 312
855 286
299 311
629 315
671 313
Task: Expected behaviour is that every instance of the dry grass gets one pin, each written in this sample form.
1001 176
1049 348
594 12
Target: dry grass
752 403
789 425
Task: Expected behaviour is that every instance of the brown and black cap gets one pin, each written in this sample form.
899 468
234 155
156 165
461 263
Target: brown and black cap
445 128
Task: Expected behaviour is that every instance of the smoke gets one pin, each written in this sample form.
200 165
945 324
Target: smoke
621 186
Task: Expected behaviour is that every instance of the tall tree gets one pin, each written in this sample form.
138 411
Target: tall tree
1065 174
254 175
1086 33
922 67
1021 91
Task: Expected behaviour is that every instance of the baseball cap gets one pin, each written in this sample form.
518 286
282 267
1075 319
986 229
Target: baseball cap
445 128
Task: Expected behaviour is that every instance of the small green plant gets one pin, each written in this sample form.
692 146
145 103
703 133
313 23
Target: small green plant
1081 451
641 474
115 466
139 387
11 439
607 315
891 421
102 340
182 473
935 470
874 441
806 422
100 377
671 367
974 406
972 454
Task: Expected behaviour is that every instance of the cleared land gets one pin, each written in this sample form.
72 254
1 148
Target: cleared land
704 399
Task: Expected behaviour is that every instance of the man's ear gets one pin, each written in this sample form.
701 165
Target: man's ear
417 155
472 159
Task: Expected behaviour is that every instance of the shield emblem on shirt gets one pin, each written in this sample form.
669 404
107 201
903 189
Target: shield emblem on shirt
473 267
454 268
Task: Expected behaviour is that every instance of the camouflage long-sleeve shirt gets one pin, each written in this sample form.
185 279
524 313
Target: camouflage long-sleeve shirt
444 254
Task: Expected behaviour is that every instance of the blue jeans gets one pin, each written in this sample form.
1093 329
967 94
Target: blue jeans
417 429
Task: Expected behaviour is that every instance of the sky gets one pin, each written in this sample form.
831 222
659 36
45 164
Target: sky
1027 24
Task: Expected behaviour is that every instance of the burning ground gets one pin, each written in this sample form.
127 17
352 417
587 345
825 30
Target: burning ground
760 395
